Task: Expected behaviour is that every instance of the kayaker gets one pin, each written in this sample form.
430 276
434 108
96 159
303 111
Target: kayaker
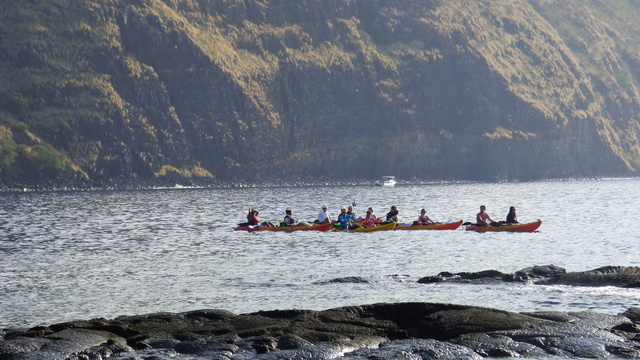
372 213
324 216
252 218
482 217
393 214
350 213
423 219
255 221
289 220
346 220
511 216
369 220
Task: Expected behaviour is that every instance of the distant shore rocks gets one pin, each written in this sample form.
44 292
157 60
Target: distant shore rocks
400 330
621 276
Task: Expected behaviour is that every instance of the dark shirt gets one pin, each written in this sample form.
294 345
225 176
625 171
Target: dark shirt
512 219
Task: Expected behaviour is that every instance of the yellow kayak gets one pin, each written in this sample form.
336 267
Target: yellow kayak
388 226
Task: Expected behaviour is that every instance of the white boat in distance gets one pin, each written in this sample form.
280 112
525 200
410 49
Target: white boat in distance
388 181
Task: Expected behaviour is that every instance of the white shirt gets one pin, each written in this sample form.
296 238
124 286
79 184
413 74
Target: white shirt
323 216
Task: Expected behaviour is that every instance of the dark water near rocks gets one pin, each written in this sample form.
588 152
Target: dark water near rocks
80 255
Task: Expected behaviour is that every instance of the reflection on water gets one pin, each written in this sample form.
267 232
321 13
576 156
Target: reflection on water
102 254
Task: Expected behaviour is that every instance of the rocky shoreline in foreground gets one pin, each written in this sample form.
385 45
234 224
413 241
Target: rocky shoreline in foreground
377 331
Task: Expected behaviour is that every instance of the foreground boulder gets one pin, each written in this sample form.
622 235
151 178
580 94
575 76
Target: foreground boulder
403 330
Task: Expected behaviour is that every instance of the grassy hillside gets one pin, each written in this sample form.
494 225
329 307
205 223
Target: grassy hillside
97 91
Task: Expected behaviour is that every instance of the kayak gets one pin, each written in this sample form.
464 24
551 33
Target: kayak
316 227
388 226
438 226
526 227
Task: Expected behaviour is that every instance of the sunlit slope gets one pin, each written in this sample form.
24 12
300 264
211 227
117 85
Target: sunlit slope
152 90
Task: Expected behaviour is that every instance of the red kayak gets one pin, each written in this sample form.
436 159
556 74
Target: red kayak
438 226
526 227
316 227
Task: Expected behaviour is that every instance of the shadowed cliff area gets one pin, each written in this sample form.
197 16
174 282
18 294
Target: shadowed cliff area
196 91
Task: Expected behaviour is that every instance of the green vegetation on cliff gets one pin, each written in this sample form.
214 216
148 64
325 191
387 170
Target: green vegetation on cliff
97 90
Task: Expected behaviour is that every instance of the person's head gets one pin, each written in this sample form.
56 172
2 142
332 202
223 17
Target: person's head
343 210
423 211
288 211
394 208
512 209
324 207
369 212
482 208
370 209
350 209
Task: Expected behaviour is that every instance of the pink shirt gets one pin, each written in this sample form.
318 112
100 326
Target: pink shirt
368 221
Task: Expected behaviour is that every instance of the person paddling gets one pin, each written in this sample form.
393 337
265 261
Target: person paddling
423 219
369 220
346 220
323 216
512 218
482 217
289 220
393 214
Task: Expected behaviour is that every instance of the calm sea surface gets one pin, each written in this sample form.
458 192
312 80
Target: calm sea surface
81 255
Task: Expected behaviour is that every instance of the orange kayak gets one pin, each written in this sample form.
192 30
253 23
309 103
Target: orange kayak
526 227
316 227
438 226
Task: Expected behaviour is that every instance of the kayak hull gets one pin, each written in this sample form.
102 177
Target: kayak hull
383 227
444 226
315 227
526 227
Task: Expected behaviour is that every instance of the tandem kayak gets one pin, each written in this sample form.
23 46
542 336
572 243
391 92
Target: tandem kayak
438 226
383 227
526 227
316 227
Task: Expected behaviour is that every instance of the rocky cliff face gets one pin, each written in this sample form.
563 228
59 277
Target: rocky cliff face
242 89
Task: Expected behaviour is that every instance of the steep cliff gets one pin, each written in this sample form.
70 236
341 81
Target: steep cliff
97 90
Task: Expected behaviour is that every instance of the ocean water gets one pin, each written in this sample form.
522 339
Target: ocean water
81 255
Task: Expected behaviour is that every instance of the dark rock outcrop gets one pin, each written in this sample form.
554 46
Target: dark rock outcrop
403 330
621 276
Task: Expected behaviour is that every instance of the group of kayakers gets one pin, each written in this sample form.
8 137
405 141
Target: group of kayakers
348 220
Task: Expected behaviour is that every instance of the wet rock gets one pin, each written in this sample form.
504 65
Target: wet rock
467 277
621 276
404 330
415 349
538 272
347 279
